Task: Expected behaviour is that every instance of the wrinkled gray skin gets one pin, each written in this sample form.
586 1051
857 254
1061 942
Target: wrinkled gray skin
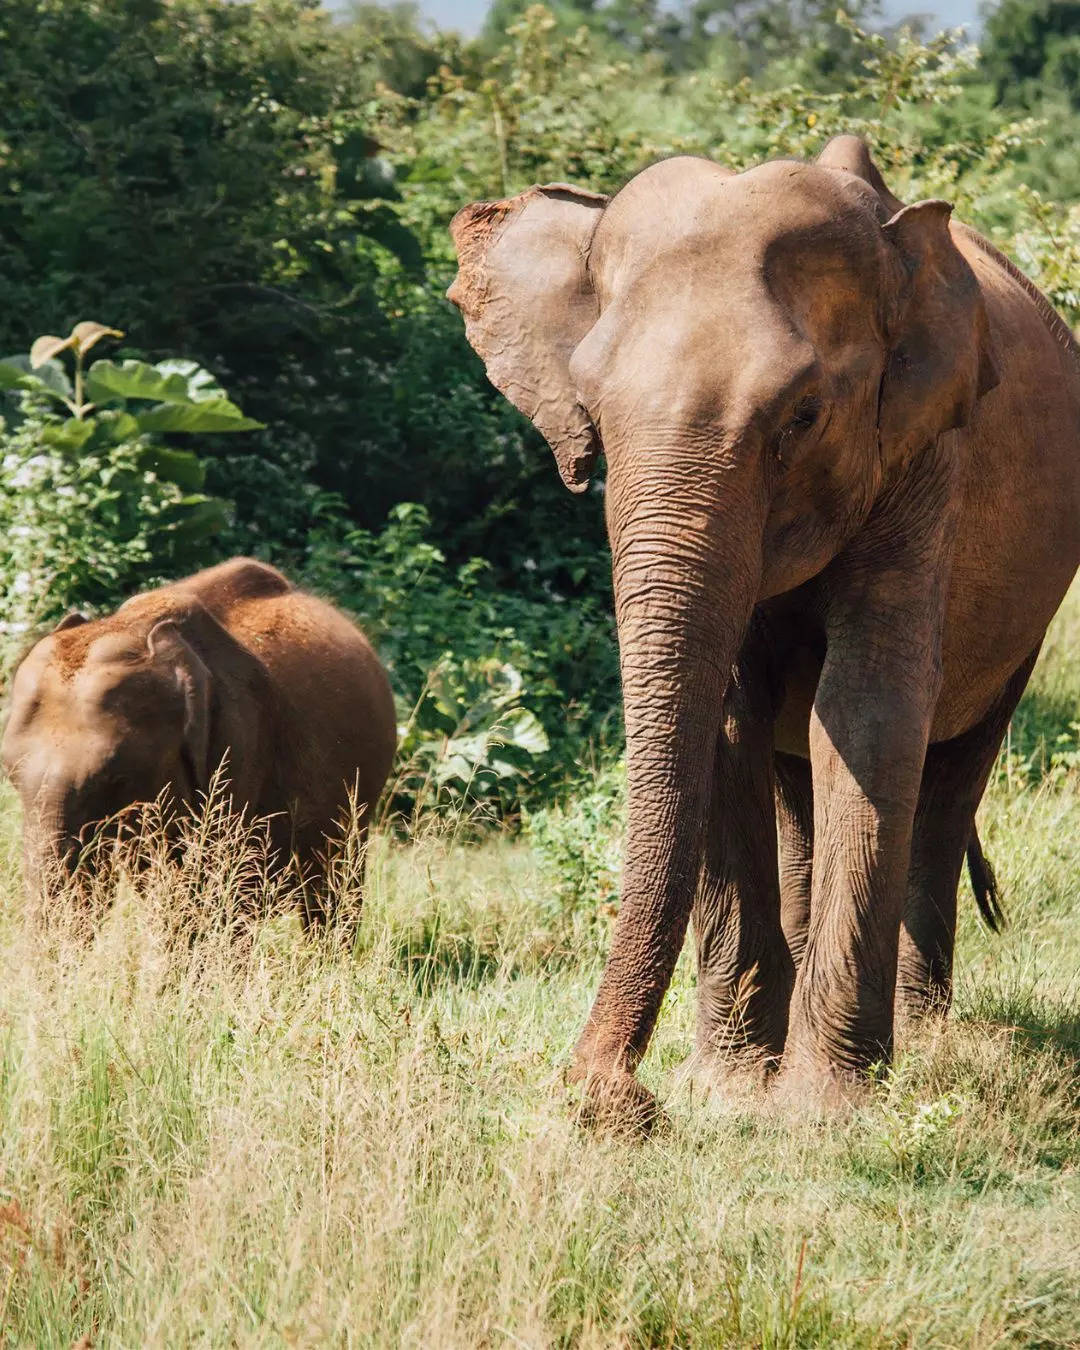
843 499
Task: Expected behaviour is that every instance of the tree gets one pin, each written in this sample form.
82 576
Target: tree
1031 47
204 175
688 36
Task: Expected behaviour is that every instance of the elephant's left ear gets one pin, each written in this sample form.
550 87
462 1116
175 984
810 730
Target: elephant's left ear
168 646
940 362
524 291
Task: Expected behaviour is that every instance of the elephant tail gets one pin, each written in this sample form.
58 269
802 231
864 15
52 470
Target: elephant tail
984 884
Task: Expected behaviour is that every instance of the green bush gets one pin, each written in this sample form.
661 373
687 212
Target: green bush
498 693
1033 45
93 502
579 844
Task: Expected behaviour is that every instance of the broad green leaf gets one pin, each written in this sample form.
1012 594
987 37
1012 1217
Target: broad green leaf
187 397
179 365
12 377
175 466
117 425
523 730
45 348
51 378
87 334
68 436
454 767
201 385
109 380
213 415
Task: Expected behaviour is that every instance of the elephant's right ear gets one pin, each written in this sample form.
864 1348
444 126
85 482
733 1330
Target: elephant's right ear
168 646
523 288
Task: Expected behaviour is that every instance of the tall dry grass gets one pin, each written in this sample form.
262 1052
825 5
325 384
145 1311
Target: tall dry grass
280 1142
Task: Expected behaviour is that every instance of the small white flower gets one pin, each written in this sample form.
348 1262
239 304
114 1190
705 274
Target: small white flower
24 476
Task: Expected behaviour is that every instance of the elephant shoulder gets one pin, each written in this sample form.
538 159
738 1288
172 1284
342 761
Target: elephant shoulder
972 243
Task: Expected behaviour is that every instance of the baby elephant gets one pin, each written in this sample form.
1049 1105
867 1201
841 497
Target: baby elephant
234 662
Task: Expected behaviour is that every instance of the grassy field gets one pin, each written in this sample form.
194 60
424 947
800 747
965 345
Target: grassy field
305 1148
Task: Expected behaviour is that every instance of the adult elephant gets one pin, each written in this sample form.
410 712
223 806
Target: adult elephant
843 499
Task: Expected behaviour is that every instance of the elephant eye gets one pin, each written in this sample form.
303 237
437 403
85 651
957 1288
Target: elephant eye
804 416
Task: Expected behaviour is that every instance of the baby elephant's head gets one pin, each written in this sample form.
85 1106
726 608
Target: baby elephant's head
103 715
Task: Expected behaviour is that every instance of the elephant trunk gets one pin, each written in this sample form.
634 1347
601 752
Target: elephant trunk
686 554
52 840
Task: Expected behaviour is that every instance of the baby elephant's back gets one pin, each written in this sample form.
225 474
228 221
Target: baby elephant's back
335 716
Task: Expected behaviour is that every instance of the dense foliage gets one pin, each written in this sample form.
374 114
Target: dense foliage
96 503
264 190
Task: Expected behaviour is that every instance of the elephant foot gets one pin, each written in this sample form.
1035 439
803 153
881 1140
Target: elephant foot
612 1100
618 1104
734 1077
808 1089
917 1004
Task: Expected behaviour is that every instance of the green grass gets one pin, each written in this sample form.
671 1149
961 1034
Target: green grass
295 1147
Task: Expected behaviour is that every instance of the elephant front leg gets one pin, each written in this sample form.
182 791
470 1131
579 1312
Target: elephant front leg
744 970
868 739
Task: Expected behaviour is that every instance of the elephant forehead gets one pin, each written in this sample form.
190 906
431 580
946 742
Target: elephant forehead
126 690
67 651
114 686
692 335
691 213
115 648
65 741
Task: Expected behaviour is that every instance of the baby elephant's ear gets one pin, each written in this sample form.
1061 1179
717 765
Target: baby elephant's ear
169 647
524 290
72 620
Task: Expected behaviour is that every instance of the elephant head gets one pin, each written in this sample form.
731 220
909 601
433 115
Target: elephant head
105 715
757 355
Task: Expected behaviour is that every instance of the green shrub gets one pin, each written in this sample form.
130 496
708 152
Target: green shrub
498 693
579 844
93 502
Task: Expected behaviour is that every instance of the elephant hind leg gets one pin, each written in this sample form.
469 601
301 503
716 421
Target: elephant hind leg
954 779
795 828
321 912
